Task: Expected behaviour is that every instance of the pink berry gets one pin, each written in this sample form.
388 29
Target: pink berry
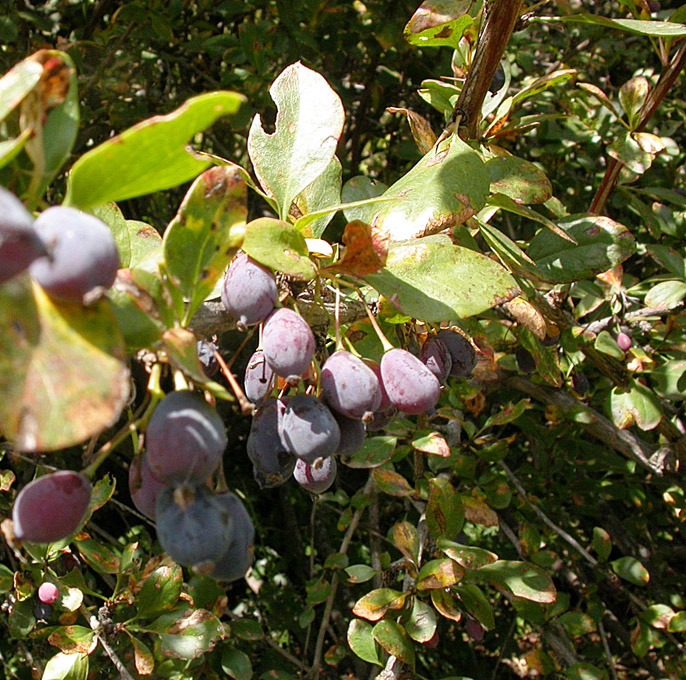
47 592
623 341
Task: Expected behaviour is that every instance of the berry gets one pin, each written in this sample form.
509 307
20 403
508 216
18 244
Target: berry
435 355
47 592
185 439
20 244
316 478
353 433
82 254
461 351
249 292
349 386
259 378
193 527
144 487
624 342
272 462
288 343
51 507
308 429
410 385
525 360
236 561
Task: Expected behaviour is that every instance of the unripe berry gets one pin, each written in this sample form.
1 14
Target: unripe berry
47 592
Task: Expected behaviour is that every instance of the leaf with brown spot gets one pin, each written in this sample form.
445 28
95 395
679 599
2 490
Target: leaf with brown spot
392 483
439 574
404 537
420 127
374 605
477 511
445 605
366 249
73 639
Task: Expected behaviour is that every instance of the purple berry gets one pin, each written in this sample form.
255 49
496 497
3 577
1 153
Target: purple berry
47 592
288 343
349 386
316 478
410 385
624 342
249 292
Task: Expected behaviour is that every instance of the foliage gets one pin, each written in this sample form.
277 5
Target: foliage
532 524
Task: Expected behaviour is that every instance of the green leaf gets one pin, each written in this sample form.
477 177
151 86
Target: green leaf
236 664
374 605
606 344
360 573
632 96
544 83
324 192
467 556
520 578
421 624
677 624
160 592
577 623
585 671
395 641
632 150
445 605
666 294
143 659
443 190
601 244
98 555
362 643
247 629
187 634
309 122
520 180
66 667
438 574
208 228
444 511
6 579
10 148
669 379
602 543
150 156
360 188
630 569
658 616
433 280
636 404
442 96
663 29
375 451
477 604
279 246
439 22
17 83
62 372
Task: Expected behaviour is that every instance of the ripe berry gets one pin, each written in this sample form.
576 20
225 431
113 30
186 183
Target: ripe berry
47 592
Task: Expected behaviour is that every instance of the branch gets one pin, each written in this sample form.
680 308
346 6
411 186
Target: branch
500 20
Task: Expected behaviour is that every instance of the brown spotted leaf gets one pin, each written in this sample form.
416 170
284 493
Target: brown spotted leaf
73 639
439 574
366 249
375 604
477 511
439 22
420 127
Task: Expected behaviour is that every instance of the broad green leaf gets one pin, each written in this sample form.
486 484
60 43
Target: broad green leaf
323 192
10 148
521 579
6 579
236 663
637 405
664 29
362 643
547 358
632 150
98 555
360 188
577 623
21 619
62 372
143 659
439 94
160 591
66 667
669 380
187 634
631 570
644 638
602 543
444 511
477 604
585 671
279 246
439 22
434 280
438 574
545 82
666 294
658 616
467 556
632 96
601 244
73 639
444 189
208 228
360 573
150 156
375 451
421 624
18 82
677 624
309 122
247 629
520 180
395 641
374 605
606 344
